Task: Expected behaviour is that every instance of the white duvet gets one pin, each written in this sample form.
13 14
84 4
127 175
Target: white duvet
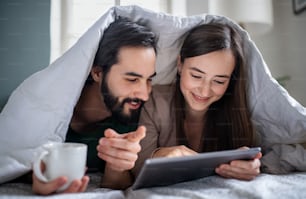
40 109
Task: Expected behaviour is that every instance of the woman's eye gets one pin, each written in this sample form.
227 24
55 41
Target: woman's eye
219 82
196 76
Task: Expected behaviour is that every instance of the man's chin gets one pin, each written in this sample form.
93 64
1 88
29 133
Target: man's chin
131 118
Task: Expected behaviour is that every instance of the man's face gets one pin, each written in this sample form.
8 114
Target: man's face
128 83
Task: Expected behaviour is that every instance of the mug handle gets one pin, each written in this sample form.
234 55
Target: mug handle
36 167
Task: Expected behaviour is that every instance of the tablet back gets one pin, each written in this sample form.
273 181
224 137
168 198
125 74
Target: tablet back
167 171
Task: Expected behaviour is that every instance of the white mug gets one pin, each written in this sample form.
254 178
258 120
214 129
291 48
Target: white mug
61 159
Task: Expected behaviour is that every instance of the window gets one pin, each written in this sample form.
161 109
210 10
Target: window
71 18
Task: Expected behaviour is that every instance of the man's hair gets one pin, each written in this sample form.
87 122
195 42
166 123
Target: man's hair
122 33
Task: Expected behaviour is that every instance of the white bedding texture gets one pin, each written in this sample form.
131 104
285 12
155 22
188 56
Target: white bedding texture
265 186
42 107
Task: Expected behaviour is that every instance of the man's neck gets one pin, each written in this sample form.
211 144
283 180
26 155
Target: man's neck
89 109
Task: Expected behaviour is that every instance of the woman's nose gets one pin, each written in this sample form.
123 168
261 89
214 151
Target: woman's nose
205 89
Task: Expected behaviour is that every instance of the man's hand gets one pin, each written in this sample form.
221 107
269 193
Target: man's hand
120 150
46 188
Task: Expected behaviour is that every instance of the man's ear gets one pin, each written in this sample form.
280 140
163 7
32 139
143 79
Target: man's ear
96 73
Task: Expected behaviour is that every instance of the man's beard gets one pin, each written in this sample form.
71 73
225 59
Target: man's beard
117 108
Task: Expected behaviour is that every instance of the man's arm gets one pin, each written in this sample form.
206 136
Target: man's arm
116 179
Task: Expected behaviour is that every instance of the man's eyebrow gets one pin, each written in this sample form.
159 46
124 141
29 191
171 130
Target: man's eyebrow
153 75
138 75
198 70
132 74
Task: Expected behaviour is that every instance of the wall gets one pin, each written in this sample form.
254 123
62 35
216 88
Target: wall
24 41
283 48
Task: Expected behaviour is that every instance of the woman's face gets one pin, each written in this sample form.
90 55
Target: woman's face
205 78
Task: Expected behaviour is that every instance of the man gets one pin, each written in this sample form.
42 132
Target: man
109 106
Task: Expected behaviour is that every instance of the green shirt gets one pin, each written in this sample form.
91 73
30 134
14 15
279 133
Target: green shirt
91 139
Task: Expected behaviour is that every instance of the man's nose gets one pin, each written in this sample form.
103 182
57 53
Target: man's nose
143 92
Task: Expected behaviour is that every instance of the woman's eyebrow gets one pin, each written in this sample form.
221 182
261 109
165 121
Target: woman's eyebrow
198 70
223 76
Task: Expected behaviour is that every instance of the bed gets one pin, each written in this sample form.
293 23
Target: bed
43 104
264 186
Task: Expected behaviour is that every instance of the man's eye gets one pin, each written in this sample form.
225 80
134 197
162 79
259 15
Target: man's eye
131 80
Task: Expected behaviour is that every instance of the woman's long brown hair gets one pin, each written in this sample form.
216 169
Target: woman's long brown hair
228 123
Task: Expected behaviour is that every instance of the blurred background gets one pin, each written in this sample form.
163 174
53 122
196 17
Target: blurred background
35 32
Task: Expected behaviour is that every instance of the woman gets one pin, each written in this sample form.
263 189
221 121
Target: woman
206 109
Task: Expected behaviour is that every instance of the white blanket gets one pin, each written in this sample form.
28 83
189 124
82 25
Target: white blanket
40 109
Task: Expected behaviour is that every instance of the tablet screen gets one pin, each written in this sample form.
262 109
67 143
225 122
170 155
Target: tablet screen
167 171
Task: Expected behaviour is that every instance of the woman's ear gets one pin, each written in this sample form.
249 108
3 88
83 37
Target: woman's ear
96 73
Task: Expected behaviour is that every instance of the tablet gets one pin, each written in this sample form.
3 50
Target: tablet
167 171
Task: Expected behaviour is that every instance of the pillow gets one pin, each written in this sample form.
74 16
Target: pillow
40 109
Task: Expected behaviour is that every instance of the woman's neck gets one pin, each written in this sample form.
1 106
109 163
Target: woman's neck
193 127
194 116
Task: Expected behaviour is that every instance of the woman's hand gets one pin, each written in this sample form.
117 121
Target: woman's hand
174 151
240 169
46 188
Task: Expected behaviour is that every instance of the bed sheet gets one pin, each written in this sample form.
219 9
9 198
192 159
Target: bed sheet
265 186
23 190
